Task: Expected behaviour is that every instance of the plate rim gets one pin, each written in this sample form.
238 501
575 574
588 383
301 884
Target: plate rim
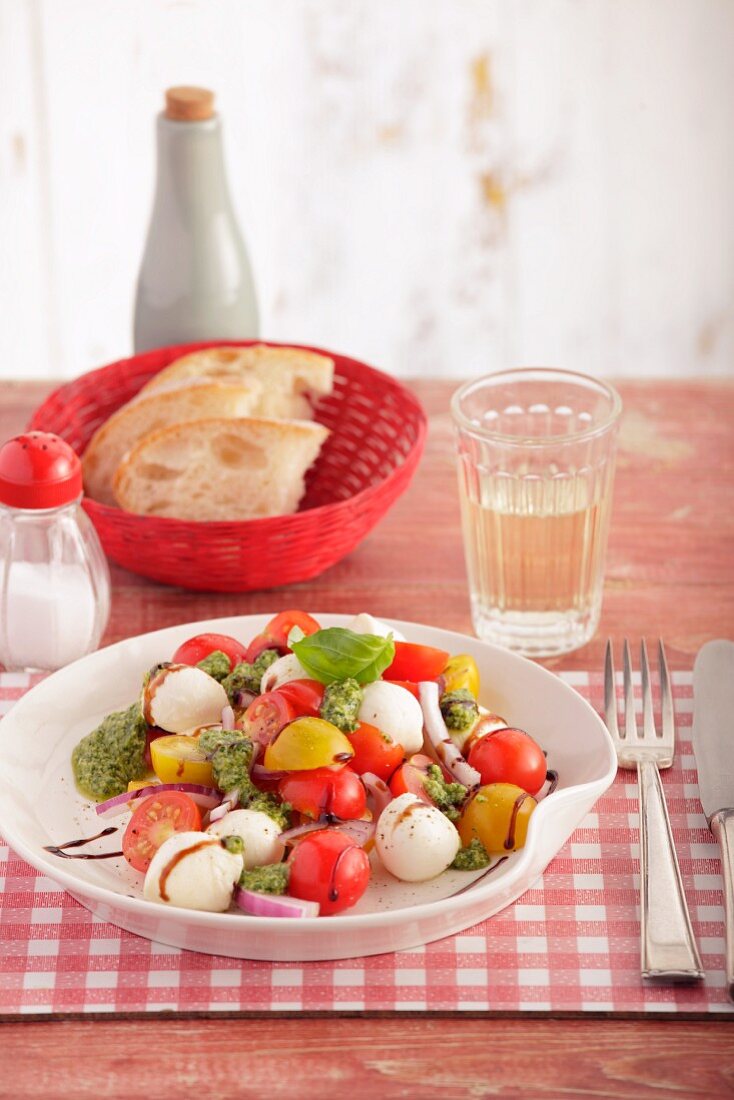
339 922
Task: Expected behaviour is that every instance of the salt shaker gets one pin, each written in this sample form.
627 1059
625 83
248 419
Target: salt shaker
54 580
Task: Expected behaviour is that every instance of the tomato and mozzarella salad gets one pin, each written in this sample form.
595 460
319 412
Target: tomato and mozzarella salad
271 774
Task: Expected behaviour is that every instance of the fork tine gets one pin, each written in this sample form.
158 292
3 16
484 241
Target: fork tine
610 695
648 718
630 722
666 696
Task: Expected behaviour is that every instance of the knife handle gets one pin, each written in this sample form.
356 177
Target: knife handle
722 826
668 947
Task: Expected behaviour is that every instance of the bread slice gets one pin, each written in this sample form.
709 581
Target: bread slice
292 379
182 401
220 469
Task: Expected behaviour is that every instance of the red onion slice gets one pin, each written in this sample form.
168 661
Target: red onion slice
260 773
274 905
206 797
440 738
229 801
381 793
358 831
301 830
228 718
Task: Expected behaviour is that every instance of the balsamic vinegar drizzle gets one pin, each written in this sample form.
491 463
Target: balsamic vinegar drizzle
551 777
476 881
58 849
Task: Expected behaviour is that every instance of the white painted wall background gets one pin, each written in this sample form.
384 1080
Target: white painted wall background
439 186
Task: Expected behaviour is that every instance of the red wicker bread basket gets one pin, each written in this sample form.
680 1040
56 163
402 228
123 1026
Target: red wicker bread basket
378 430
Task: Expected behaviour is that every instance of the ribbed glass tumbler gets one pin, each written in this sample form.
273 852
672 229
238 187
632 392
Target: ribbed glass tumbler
536 450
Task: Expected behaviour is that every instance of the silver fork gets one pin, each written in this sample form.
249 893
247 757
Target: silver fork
668 949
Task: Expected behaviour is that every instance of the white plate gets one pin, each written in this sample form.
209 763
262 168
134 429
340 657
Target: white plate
39 805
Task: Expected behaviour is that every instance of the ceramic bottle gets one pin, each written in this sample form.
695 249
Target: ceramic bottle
195 280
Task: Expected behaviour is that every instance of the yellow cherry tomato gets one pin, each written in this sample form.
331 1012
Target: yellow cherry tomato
461 672
498 815
178 759
308 743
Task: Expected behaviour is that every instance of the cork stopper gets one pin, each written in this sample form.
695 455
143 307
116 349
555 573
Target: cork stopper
186 104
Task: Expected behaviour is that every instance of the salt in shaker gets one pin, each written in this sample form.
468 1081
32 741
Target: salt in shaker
54 580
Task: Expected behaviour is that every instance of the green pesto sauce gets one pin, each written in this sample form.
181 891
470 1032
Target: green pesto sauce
472 858
271 805
447 796
234 844
341 703
217 665
270 879
246 676
217 738
112 755
231 767
459 709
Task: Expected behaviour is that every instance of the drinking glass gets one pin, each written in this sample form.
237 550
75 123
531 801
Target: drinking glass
536 449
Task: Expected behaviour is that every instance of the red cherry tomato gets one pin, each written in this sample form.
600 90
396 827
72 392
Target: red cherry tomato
374 752
267 715
416 662
200 646
275 635
408 685
155 820
328 867
410 778
335 791
509 756
305 696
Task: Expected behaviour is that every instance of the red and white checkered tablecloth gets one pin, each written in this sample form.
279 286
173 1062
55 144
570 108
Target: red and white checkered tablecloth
569 944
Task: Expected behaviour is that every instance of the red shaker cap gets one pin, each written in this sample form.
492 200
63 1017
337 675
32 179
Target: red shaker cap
39 470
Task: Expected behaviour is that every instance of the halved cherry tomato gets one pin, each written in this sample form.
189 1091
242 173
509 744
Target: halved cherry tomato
461 673
305 696
416 662
151 734
509 756
177 758
275 635
408 685
410 778
137 785
335 791
328 867
498 814
267 715
374 752
201 645
154 821
306 744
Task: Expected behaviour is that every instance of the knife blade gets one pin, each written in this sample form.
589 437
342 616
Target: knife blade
713 746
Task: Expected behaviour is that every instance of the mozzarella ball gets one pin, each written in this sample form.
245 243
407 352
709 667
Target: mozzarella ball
193 871
282 672
396 712
260 834
366 624
415 841
181 698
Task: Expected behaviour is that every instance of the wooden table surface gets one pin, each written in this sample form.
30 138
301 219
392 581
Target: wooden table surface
669 573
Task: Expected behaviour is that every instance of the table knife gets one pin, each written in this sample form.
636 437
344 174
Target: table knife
713 745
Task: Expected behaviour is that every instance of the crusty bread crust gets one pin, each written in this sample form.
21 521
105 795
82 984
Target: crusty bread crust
219 469
292 378
182 401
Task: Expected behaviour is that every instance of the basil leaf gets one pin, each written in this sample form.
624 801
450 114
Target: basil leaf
339 654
